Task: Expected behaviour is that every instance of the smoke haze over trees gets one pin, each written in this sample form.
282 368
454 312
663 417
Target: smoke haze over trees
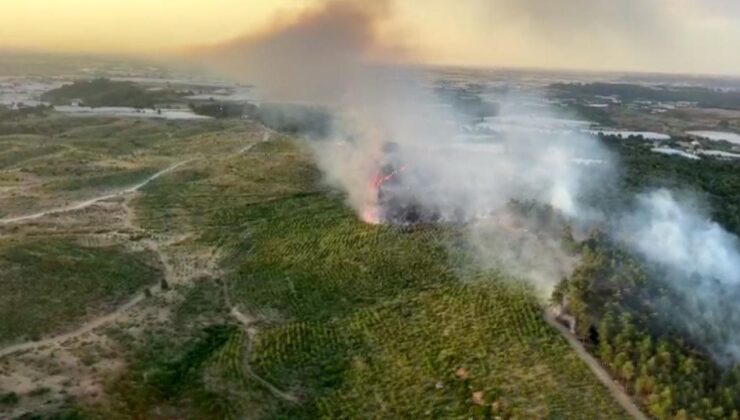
333 56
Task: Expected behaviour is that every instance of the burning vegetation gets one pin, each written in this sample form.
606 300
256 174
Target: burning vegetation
391 200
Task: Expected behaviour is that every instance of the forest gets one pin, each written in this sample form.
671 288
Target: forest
618 306
714 180
624 309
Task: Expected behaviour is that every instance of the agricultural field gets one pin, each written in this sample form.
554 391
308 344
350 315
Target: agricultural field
325 210
250 290
325 307
439 345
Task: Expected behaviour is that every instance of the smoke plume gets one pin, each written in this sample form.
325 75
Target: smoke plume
320 55
333 55
700 263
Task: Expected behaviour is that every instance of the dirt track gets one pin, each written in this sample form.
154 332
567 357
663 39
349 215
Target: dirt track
90 202
248 325
110 317
614 388
84 329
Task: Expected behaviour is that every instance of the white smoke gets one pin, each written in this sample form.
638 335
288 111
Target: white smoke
533 157
519 247
700 263
679 235
473 182
477 181
301 58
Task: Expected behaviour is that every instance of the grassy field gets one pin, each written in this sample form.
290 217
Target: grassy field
210 194
46 162
49 285
116 179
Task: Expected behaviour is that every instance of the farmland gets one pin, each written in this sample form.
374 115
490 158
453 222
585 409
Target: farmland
265 295
334 307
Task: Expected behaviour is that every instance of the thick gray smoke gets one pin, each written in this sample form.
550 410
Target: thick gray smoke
679 235
319 55
329 56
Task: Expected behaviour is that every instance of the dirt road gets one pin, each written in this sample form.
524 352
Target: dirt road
108 318
616 390
90 202
84 329
81 205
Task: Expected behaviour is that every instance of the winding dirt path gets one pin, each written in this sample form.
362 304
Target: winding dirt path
102 320
270 387
120 311
87 203
82 330
152 245
614 388
248 325
59 340
90 202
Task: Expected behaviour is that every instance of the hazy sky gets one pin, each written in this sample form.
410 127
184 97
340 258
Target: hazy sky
652 35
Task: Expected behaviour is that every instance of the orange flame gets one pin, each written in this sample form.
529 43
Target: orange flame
371 213
379 180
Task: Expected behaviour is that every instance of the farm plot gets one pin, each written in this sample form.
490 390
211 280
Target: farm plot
364 319
351 320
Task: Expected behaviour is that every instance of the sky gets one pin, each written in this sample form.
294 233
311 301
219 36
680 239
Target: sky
675 36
